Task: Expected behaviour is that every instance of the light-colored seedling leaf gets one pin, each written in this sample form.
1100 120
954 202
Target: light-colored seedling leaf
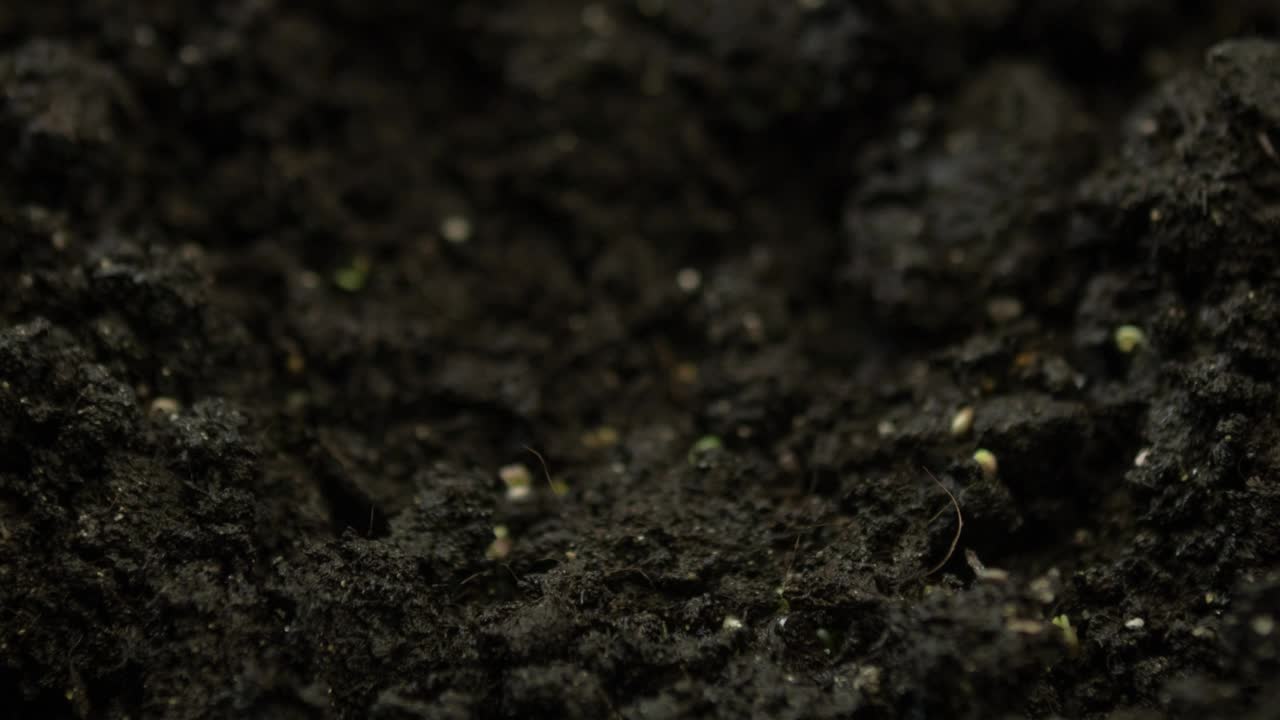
500 548
987 461
962 421
519 481
708 443
704 445
1129 338
353 277
1069 635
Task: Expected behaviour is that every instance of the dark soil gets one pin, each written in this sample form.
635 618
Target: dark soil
290 286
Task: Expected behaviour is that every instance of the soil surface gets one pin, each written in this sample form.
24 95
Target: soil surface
299 296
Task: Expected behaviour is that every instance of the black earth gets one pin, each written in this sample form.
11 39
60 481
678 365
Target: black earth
640 359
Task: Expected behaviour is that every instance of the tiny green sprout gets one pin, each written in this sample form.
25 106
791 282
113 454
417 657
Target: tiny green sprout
705 444
1069 634
1129 338
987 461
353 277
518 480
500 548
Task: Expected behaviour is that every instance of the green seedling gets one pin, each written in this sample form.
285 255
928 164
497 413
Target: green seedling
987 461
1129 338
353 277
704 445
1069 635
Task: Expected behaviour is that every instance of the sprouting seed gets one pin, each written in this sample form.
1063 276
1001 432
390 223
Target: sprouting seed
500 548
689 280
519 481
1069 634
962 421
456 229
165 406
353 277
987 461
981 571
705 444
1129 338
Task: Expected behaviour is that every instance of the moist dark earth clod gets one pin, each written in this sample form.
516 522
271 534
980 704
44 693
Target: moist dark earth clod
297 297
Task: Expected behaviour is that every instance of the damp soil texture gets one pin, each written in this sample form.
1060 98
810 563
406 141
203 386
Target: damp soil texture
640 359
